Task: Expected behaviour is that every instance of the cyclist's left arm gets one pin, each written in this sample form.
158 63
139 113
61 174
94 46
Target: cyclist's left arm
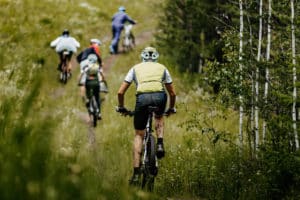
124 86
55 42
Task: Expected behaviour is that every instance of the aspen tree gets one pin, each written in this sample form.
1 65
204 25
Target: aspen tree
241 67
257 77
294 117
267 69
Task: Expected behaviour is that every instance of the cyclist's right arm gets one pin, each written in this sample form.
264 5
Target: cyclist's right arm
54 42
172 94
171 91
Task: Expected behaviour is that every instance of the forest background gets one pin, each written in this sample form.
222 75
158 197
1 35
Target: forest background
235 69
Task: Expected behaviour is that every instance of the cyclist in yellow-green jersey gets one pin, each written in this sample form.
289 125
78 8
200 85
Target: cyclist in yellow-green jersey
151 79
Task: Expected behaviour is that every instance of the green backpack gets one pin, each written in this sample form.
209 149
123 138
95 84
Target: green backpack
93 69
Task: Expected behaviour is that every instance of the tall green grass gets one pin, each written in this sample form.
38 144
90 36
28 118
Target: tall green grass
45 146
45 149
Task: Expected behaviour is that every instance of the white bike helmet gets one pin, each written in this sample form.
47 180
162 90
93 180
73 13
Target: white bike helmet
122 8
149 54
95 41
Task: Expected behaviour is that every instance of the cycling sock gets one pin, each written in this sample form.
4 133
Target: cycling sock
160 141
136 170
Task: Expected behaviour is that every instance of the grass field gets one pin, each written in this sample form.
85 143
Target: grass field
46 146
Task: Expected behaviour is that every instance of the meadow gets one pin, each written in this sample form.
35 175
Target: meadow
48 150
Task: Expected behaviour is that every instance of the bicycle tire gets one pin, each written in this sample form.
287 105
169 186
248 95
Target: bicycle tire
148 181
127 45
65 77
152 155
94 113
150 168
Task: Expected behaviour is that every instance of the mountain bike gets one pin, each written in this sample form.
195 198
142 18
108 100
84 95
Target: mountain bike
92 106
64 72
128 38
149 164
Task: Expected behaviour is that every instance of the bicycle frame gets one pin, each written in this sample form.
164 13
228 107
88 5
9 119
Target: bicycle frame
93 108
148 131
64 67
149 164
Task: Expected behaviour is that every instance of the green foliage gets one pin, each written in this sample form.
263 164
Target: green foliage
224 172
45 152
186 32
24 150
45 146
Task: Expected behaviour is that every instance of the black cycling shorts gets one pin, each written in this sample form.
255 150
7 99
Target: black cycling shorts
158 99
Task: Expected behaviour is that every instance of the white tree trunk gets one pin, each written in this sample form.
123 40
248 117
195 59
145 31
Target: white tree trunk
252 136
240 59
267 69
257 77
294 116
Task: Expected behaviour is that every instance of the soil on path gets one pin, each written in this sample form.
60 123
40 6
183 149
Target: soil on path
109 62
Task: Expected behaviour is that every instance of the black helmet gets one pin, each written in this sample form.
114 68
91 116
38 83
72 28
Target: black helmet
66 32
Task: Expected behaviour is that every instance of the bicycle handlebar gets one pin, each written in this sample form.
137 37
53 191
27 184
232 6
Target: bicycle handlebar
130 113
125 112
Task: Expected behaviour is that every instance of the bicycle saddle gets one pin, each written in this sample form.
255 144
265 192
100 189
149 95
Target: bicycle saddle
152 108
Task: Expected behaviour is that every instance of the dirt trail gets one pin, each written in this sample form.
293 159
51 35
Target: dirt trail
109 62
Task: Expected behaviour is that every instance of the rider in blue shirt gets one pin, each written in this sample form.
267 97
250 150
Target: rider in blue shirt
118 21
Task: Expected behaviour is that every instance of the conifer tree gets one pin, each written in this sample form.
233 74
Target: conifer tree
186 29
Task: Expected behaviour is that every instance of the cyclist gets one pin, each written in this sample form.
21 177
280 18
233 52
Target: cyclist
118 21
62 43
150 78
82 59
93 74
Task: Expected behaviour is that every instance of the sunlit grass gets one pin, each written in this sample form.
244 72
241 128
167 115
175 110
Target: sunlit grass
50 120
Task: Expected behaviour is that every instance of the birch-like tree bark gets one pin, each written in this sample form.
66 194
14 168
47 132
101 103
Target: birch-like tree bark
241 68
257 77
294 116
267 69
252 136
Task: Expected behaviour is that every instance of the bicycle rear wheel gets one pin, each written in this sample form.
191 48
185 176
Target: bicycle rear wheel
152 155
94 111
150 169
65 77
